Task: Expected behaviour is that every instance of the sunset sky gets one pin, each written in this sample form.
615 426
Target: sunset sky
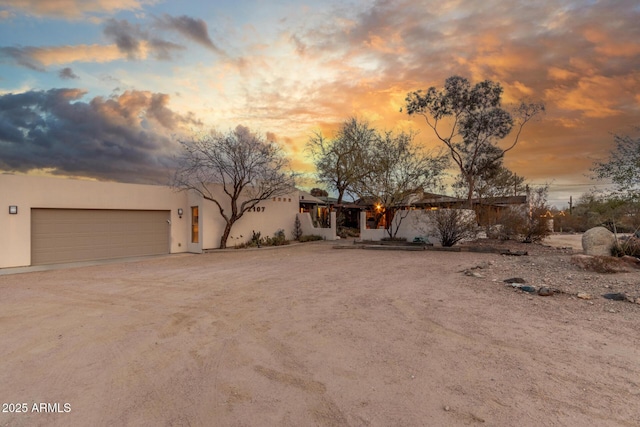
104 88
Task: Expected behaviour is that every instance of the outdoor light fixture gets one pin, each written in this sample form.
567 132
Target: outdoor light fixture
180 212
13 210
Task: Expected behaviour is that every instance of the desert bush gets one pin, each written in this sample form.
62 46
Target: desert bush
346 232
630 246
393 239
453 225
256 240
310 238
518 224
527 224
278 239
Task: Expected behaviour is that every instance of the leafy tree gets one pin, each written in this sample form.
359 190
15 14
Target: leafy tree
492 182
623 166
249 168
619 214
471 122
318 192
342 161
497 181
398 170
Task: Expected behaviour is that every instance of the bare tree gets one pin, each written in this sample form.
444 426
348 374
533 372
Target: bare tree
474 123
398 170
249 169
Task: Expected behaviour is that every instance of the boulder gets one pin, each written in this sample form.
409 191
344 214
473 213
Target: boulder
598 241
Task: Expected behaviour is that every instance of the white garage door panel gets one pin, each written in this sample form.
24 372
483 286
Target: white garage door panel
67 235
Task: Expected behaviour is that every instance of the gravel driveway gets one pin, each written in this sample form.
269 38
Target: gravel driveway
308 335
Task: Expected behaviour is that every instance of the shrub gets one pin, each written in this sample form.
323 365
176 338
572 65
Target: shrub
346 232
309 238
630 246
256 240
297 229
278 239
527 224
393 239
453 225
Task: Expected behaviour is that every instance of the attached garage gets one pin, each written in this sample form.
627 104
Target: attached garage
69 235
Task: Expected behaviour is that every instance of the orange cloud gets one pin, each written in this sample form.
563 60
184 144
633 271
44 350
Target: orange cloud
555 73
609 45
74 9
82 53
596 96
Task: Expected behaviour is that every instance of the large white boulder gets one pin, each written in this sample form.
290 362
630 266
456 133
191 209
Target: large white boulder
598 241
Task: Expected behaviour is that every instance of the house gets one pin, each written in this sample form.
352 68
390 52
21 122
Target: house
318 209
375 217
54 220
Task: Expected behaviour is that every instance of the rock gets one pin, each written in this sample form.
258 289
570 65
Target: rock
545 292
515 280
584 295
513 253
527 288
598 241
638 300
599 263
472 273
631 260
616 296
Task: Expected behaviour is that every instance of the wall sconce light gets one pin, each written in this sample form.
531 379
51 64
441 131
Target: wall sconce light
13 210
180 211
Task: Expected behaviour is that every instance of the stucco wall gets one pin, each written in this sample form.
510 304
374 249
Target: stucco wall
415 223
29 192
268 217
306 224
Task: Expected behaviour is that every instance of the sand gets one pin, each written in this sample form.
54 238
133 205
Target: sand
309 335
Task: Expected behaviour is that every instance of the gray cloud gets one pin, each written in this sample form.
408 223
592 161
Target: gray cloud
191 28
126 138
125 35
67 74
22 56
129 39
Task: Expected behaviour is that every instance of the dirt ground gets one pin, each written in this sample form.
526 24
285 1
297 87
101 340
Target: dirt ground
312 335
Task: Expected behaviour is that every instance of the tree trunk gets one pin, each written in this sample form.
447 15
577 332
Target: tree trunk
339 207
225 234
471 183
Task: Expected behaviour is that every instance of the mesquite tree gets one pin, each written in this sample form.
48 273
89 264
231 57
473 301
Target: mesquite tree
249 168
343 160
399 170
622 167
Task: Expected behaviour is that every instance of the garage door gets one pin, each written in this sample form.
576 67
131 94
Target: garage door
68 235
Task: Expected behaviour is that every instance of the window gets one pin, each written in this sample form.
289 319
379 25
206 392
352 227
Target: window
194 224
